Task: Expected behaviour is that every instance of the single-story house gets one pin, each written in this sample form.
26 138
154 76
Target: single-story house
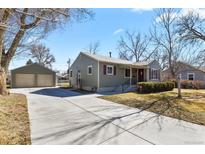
33 75
186 72
100 73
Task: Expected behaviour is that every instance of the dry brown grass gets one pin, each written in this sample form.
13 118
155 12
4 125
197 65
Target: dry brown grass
64 85
14 120
190 108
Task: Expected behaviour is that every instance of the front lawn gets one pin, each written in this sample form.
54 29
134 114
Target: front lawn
14 120
190 108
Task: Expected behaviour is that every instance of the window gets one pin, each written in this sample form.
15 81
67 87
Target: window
190 76
109 69
154 73
127 73
90 70
71 73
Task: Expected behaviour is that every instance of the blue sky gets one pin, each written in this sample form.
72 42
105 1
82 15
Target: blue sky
106 27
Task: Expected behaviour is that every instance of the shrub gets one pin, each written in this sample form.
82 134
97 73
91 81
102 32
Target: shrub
151 87
197 85
187 84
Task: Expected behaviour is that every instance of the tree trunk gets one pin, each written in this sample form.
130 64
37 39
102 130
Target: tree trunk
3 89
179 86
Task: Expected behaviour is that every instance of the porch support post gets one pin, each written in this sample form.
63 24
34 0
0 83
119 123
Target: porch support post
147 74
130 76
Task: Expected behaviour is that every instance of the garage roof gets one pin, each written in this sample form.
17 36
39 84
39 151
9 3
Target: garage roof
34 64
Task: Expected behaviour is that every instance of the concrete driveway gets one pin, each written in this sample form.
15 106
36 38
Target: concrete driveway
60 116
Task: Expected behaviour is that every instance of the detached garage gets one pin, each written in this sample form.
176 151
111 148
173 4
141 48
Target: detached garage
33 75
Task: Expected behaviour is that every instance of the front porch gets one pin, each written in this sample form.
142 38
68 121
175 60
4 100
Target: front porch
133 75
139 75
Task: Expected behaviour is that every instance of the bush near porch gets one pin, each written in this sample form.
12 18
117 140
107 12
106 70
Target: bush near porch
152 87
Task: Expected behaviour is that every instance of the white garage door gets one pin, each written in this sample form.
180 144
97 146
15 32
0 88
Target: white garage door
44 80
25 80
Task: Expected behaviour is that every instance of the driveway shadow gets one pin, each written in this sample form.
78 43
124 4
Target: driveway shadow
57 92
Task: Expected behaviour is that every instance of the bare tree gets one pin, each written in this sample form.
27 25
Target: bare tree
165 37
133 46
42 55
191 28
19 27
93 48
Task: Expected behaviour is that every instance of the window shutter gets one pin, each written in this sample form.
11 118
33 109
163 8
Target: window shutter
115 71
104 69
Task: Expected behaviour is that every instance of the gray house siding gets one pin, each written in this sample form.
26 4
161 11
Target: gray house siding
81 64
184 70
118 79
199 75
154 65
31 69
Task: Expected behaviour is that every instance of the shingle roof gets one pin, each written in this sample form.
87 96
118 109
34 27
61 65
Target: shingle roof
107 59
143 63
202 69
33 64
116 60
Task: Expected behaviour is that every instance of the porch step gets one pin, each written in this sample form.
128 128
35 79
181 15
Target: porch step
131 88
125 88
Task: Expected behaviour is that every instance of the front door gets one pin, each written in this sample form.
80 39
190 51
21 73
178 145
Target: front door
140 75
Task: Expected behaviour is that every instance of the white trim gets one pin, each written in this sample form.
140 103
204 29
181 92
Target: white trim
147 74
191 74
107 69
90 66
125 73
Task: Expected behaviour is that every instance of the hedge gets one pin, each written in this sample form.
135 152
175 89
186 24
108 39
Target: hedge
152 87
189 84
